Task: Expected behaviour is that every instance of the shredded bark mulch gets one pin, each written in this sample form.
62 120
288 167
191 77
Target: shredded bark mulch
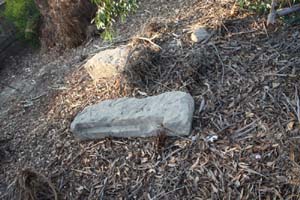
245 139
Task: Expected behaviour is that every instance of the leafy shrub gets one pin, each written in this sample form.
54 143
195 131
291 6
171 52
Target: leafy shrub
25 16
108 11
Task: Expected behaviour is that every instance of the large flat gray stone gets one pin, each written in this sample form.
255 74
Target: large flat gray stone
132 117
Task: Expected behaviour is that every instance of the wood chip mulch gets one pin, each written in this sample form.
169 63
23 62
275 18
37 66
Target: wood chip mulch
245 141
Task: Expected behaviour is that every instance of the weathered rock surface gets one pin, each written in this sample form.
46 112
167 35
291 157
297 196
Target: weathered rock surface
199 34
107 63
131 117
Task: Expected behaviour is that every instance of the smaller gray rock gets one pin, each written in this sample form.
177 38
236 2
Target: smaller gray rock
132 117
107 63
199 34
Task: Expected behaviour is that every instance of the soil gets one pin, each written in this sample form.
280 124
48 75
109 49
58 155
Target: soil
245 139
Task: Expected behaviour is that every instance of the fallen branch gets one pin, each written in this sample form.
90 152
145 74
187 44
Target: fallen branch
281 12
150 41
272 14
286 11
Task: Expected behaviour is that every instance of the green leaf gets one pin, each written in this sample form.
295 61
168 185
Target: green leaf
109 11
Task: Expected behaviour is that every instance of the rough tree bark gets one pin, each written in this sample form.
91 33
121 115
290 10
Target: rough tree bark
64 22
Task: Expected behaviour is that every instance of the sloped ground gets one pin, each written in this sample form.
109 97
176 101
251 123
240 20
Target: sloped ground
245 81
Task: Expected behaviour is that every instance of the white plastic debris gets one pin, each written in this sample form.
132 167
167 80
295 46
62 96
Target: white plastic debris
257 156
211 138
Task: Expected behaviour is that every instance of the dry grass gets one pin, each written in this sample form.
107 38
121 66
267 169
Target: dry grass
245 82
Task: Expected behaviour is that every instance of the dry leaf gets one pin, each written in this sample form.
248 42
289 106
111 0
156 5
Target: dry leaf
290 125
234 10
249 114
275 85
292 153
195 164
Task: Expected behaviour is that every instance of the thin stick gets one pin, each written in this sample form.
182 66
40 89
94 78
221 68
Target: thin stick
166 158
297 110
103 188
150 41
166 193
221 61
246 129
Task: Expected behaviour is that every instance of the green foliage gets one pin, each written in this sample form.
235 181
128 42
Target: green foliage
108 11
25 16
263 6
259 6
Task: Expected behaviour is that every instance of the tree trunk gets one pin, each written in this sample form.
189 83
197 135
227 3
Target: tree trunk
64 22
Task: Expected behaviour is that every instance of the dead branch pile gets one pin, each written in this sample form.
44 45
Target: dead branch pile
156 70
